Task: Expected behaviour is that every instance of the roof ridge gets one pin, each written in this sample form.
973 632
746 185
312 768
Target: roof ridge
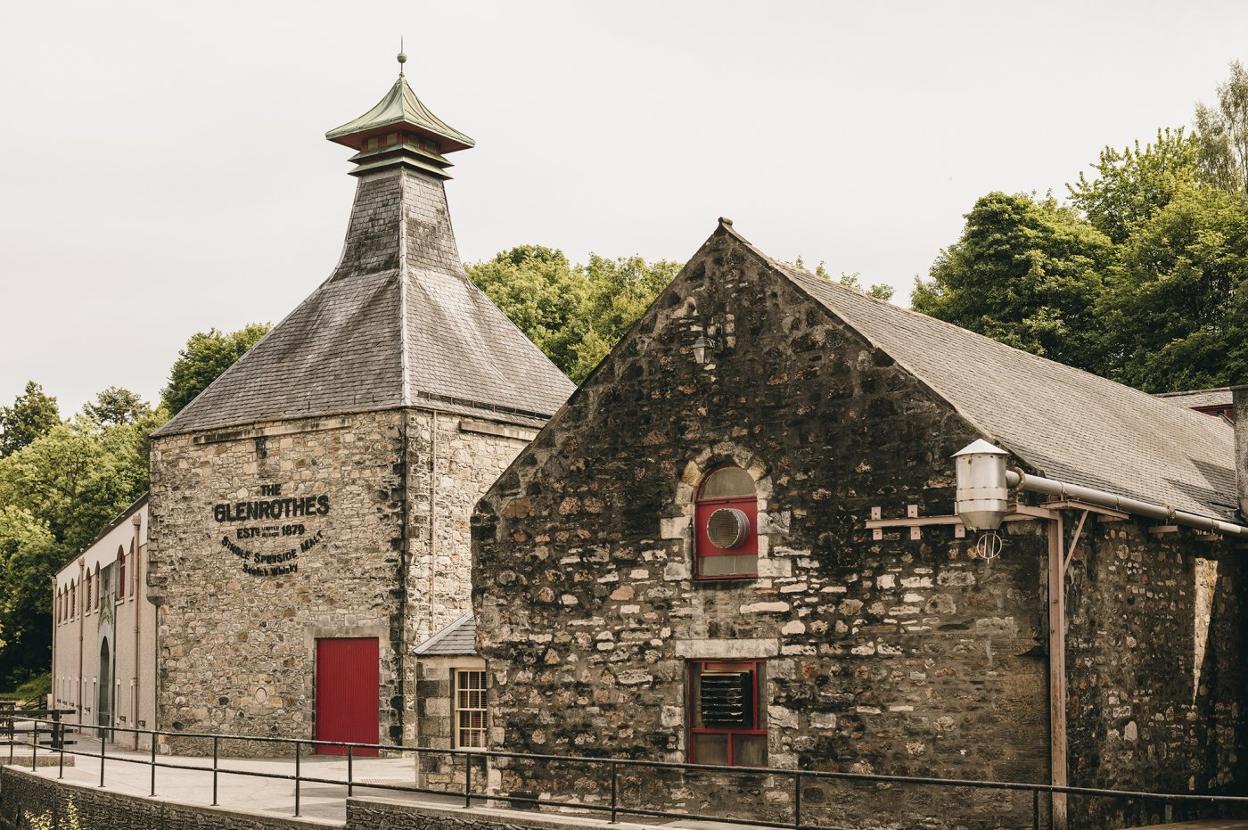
442 633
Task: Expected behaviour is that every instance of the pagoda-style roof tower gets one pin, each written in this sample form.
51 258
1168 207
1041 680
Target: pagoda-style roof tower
398 323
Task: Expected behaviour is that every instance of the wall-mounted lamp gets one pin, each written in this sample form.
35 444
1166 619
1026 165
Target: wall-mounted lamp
702 345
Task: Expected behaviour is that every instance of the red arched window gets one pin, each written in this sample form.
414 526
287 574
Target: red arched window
726 515
121 573
95 584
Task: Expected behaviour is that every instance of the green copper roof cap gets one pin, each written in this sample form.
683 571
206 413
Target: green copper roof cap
402 109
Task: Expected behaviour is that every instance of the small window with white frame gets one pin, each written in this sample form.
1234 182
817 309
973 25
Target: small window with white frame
470 708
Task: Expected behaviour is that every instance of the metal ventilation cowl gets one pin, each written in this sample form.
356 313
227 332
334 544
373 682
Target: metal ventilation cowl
728 528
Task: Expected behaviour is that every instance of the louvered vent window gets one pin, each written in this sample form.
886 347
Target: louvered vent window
727 525
725 727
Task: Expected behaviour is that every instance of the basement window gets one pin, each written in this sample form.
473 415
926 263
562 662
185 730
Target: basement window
470 709
724 724
726 515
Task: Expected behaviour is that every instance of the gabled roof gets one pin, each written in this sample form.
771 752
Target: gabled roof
1199 398
460 637
1068 424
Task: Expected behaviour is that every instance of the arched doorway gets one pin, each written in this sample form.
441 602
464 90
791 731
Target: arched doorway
104 693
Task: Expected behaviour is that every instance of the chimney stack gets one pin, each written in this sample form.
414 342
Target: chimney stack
1240 399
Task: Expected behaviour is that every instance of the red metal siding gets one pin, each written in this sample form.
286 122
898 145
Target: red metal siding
347 681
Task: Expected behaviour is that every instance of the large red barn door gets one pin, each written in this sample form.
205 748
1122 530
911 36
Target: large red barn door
347 681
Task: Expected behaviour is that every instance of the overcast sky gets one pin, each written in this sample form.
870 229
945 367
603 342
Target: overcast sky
165 171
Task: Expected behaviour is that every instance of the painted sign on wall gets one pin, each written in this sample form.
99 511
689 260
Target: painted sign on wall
289 517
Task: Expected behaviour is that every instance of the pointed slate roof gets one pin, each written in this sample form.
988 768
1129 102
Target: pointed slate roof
457 638
397 324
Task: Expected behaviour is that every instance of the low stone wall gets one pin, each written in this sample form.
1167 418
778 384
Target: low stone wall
389 814
24 796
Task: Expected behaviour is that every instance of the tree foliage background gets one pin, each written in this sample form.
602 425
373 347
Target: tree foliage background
1142 276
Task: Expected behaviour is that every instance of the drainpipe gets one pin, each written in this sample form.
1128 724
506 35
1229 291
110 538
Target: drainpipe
135 566
80 600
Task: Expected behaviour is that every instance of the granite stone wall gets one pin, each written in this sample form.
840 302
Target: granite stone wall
907 654
237 634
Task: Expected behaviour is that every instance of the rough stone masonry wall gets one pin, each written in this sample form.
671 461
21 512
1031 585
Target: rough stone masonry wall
451 461
891 656
237 650
1156 656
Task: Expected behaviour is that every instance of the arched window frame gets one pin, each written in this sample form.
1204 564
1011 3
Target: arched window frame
121 574
96 583
711 561
73 599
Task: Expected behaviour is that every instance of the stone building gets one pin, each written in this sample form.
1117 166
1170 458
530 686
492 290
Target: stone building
310 509
736 544
104 632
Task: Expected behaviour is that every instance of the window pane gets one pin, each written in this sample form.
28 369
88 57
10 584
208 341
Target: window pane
749 750
739 565
727 482
711 749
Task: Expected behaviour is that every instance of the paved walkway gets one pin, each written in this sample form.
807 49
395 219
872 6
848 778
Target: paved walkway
240 792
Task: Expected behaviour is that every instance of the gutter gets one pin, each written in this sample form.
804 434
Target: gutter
1037 484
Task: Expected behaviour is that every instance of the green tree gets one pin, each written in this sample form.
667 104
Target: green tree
879 290
32 414
29 556
620 290
116 405
574 313
1026 272
1175 312
540 291
206 355
1132 184
1222 135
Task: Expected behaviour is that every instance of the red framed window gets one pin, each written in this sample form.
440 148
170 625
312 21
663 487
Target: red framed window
726 515
121 574
725 724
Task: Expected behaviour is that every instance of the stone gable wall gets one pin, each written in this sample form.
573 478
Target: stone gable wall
898 656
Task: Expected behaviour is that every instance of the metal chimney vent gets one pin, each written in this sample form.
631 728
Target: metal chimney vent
982 499
728 528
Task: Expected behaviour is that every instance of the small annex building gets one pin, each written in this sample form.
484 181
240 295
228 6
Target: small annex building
104 633
310 508
736 545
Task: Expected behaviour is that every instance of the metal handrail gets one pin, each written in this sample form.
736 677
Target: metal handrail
612 764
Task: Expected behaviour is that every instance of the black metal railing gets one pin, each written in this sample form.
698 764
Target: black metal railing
611 767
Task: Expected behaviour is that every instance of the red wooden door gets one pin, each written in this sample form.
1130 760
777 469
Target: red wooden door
347 681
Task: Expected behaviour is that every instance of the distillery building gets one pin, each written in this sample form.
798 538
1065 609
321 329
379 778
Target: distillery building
737 544
310 509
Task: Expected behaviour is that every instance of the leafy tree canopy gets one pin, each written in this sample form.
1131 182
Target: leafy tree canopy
574 313
206 355
1222 133
116 405
32 414
1026 272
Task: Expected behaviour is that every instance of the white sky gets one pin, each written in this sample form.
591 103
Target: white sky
165 169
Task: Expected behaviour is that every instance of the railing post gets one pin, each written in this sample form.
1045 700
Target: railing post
615 792
797 800
296 779
103 743
60 765
350 776
215 742
56 728
153 763
34 746
12 735
467 780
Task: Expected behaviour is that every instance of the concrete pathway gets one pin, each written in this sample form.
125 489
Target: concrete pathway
127 771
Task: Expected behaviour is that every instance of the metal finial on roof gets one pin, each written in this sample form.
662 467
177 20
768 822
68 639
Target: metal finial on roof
402 57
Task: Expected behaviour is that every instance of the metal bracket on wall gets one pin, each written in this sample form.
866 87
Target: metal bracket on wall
914 521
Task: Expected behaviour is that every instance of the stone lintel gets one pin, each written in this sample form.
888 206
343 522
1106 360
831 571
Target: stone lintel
726 649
